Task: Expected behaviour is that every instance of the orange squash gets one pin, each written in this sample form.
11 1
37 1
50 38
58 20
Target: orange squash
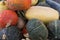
6 16
18 4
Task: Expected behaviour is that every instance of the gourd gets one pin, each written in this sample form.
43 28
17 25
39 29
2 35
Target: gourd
43 4
53 4
18 4
3 6
45 14
57 1
6 16
37 30
10 33
54 28
34 2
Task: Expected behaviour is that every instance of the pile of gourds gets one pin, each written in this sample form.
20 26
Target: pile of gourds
29 20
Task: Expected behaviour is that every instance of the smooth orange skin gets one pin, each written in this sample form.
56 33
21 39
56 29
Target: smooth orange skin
6 16
18 4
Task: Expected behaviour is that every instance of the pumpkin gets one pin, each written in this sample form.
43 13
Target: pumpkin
37 30
6 16
18 4
54 29
45 14
10 33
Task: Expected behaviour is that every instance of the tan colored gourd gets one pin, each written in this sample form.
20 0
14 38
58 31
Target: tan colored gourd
34 2
45 14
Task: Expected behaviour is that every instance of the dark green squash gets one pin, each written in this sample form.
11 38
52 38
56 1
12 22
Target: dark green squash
54 29
37 30
43 4
10 33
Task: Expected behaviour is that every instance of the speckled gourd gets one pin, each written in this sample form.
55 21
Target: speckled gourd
54 28
10 33
37 30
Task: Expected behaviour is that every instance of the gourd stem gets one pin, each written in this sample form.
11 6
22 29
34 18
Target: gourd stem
3 2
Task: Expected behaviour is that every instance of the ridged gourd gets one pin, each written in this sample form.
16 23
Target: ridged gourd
10 33
37 30
54 29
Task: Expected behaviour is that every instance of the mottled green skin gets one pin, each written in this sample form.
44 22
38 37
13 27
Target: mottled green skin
12 33
43 4
37 30
54 28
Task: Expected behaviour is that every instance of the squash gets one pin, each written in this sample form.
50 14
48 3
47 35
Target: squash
18 4
54 29
3 6
6 16
45 14
37 30
43 4
57 1
10 33
53 4
34 2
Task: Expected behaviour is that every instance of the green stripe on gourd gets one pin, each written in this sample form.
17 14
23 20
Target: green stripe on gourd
37 30
54 27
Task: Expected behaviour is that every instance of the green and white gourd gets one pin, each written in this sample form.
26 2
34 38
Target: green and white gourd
37 30
54 28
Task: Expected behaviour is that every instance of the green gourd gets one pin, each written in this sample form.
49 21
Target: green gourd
43 4
37 30
54 29
10 33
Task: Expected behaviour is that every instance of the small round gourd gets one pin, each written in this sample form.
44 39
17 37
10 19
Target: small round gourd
37 30
54 29
10 33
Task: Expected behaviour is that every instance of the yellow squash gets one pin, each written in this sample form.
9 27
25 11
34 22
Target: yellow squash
45 14
34 2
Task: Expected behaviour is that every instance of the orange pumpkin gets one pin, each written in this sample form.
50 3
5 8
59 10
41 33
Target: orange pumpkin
18 4
6 16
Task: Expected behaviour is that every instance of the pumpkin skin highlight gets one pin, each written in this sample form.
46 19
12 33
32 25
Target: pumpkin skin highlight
18 4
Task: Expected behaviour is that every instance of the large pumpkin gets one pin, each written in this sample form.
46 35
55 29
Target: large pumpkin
18 4
45 14
6 16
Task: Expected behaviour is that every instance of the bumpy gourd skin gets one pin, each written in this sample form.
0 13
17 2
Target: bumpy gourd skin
12 33
37 30
54 29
